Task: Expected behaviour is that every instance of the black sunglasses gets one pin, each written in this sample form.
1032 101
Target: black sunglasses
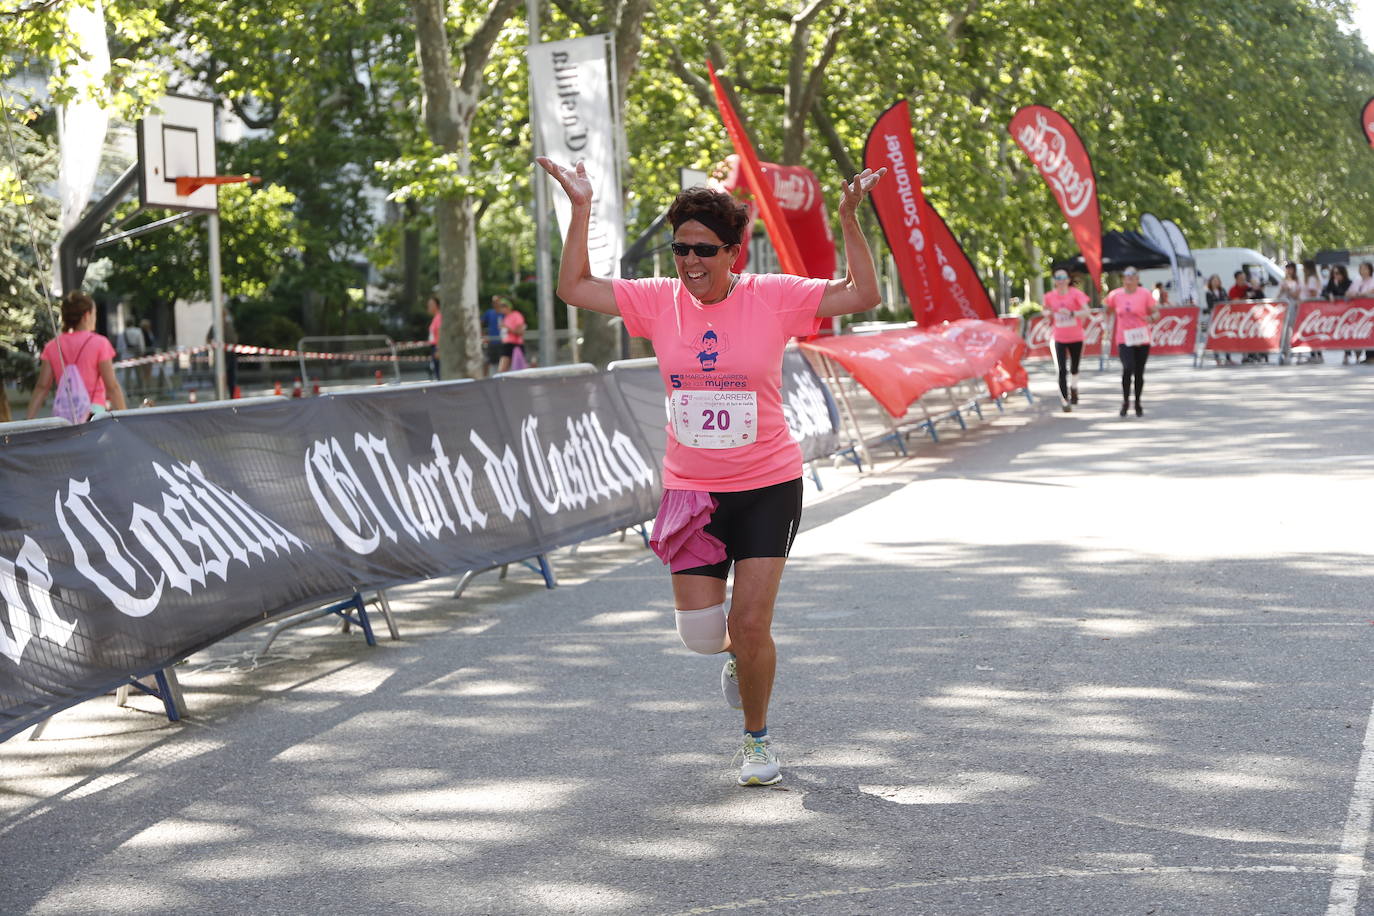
682 249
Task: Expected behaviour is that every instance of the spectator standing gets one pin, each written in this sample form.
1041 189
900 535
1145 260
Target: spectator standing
436 322
1215 293
1337 285
1312 289
512 336
1240 289
1362 287
78 345
1311 280
491 334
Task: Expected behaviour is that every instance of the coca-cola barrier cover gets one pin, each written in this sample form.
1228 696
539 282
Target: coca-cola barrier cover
1247 327
899 366
1334 325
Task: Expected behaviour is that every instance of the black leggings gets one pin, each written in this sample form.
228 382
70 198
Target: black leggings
1074 353
1132 367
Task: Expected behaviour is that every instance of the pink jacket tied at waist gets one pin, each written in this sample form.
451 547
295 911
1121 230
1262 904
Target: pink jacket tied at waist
679 537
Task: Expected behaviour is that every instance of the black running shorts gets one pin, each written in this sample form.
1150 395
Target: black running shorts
753 523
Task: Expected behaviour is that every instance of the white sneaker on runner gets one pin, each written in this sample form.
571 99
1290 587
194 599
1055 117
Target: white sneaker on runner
729 684
760 766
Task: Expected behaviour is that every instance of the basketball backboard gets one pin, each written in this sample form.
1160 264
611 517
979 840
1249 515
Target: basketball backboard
174 142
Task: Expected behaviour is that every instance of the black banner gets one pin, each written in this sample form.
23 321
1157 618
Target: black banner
130 542
807 404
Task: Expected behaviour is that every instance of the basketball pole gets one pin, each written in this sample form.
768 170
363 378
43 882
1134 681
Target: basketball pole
217 309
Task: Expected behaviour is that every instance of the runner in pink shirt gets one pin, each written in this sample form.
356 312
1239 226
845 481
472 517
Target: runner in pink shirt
1132 309
732 473
1067 307
78 345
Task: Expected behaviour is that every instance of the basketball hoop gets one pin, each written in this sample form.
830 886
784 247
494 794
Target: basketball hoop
189 184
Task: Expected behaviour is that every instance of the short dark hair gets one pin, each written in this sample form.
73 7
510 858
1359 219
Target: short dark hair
716 210
75 305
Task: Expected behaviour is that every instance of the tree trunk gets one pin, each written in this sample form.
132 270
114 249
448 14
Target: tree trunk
460 340
4 403
449 105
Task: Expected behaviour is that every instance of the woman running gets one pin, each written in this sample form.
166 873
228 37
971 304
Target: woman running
731 472
1067 306
1133 309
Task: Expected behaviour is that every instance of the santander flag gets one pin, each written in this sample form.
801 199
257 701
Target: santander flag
1367 121
936 274
779 233
1053 145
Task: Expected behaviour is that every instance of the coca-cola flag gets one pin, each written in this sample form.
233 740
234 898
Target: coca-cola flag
1247 327
897 367
1367 121
936 274
779 232
1040 336
1334 325
1054 147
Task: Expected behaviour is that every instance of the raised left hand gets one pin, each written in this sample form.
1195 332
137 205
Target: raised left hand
854 192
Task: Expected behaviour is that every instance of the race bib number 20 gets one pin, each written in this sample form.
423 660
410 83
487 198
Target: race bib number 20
715 419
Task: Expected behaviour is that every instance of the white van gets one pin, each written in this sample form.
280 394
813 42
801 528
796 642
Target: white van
1224 262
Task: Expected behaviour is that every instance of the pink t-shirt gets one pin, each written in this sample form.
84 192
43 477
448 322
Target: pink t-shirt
85 350
435 324
722 370
513 328
1068 327
1132 310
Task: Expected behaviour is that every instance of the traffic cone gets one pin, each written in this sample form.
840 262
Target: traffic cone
296 388
192 397
237 393
315 389
379 377
276 387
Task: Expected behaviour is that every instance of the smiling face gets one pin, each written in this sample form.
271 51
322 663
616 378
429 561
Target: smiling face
707 279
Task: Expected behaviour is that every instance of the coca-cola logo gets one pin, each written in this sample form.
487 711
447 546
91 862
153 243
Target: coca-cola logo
1257 322
794 191
1172 331
1038 336
1048 148
1349 324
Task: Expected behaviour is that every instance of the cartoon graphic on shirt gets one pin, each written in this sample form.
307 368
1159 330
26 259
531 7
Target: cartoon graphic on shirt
711 347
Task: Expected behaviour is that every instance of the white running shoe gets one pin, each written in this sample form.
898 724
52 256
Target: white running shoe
760 763
729 685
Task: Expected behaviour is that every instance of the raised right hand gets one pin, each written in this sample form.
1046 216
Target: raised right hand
575 182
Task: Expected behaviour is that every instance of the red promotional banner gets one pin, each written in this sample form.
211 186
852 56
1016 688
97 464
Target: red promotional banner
799 197
897 367
1334 325
1247 327
1175 333
995 350
936 274
1054 147
1040 337
1367 121
779 233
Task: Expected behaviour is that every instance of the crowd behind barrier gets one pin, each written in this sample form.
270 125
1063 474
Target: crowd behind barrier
136 540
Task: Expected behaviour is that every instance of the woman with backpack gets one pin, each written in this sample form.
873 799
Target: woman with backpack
91 383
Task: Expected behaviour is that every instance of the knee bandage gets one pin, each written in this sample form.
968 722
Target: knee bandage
702 630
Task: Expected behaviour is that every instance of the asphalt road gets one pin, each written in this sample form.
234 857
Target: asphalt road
1061 663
